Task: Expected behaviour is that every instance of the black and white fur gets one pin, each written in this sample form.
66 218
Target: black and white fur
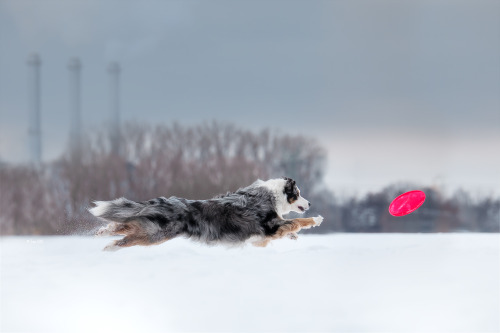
251 214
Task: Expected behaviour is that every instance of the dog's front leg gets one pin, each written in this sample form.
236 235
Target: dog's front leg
291 227
308 222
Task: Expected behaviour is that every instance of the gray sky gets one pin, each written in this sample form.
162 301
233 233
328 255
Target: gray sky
396 91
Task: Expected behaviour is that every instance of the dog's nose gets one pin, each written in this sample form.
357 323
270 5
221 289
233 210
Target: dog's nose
309 203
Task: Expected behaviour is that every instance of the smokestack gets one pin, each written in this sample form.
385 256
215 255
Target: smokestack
75 139
34 130
114 89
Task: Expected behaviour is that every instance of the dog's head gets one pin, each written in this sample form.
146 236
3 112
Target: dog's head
294 202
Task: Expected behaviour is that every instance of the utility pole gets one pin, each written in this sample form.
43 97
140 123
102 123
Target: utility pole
75 139
114 89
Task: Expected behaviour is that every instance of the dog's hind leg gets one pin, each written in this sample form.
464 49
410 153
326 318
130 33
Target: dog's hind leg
142 232
126 241
132 240
137 228
114 229
262 242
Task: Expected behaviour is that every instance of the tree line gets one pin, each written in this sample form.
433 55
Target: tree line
198 162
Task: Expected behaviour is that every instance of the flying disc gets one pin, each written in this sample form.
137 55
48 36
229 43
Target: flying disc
406 203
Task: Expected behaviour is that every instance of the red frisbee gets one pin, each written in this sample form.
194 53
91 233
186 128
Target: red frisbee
406 203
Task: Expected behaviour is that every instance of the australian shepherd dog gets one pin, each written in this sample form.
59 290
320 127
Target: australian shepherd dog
253 214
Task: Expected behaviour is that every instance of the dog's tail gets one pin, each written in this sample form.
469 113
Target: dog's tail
118 210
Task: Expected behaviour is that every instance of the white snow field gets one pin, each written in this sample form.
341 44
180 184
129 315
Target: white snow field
331 283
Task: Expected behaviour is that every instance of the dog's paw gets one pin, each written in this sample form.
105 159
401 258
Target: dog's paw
318 219
103 231
111 248
115 245
293 236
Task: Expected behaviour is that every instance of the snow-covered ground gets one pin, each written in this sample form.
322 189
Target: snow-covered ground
334 283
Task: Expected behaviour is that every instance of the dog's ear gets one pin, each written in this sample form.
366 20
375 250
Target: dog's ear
290 184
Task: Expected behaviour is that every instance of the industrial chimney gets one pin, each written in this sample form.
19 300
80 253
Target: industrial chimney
114 89
34 130
75 139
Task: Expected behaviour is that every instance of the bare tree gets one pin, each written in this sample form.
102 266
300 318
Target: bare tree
29 201
199 162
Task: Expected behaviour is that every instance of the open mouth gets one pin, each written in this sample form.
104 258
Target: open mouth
302 209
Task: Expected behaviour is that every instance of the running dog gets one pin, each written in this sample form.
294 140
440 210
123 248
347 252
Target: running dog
252 214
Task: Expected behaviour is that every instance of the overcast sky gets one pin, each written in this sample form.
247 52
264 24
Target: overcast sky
395 91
